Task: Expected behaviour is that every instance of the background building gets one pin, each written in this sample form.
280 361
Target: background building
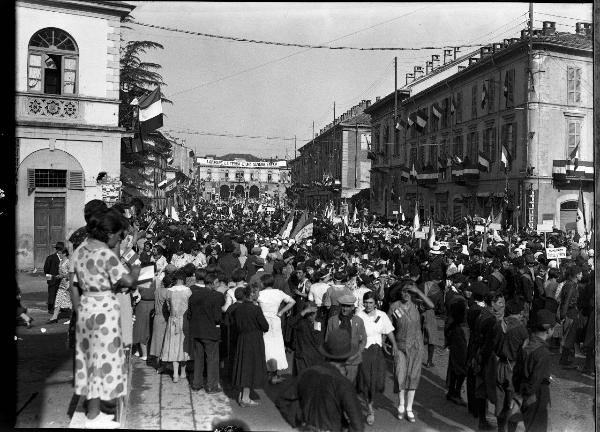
334 165
243 176
486 106
67 102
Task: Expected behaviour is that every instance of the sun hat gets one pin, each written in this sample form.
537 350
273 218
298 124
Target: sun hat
338 346
347 299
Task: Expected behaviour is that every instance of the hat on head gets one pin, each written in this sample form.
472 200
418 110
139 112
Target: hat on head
545 319
256 251
552 264
338 345
478 289
259 262
347 299
513 307
59 245
435 249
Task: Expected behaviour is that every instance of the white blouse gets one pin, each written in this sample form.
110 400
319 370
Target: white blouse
376 326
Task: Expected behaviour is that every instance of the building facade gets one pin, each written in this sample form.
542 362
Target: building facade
67 134
221 179
544 121
334 165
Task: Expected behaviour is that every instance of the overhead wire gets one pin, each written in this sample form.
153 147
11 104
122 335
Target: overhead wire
565 17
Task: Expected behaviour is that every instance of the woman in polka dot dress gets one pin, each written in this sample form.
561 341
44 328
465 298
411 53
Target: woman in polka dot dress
100 368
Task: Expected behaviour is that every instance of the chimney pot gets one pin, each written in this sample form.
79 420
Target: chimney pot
473 60
377 98
524 33
549 27
515 40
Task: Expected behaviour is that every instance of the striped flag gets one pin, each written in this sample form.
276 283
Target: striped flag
505 156
431 238
286 229
573 157
437 110
412 119
150 111
483 163
301 223
402 123
581 225
422 118
416 223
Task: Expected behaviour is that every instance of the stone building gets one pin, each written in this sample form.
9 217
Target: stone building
333 166
242 176
67 102
449 129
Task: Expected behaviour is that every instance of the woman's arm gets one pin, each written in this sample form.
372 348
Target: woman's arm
74 292
289 304
426 300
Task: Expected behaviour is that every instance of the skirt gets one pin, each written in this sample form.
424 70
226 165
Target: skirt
407 368
159 327
141 326
176 343
100 368
249 364
371 372
274 346
63 299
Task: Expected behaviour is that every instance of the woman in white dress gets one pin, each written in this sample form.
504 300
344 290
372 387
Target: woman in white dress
270 300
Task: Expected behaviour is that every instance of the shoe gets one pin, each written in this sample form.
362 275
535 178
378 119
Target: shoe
401 413
67 322
146 358
52 321
428 364
175 379
197 388
410 416
102 421
137 354
213 390
371 418
251 403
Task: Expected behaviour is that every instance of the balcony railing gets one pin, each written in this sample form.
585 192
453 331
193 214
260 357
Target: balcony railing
565 171
51 107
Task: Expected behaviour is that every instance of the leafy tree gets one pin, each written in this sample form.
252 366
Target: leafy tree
138 78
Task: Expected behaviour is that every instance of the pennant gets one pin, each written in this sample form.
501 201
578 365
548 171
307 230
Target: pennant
416 223
436 110
150 112
483 162
581 225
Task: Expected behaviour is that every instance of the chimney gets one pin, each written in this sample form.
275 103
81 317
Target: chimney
584 29
549 27
377 98
473 60
538 33
483 51
497 47
506 42
515 40
460 68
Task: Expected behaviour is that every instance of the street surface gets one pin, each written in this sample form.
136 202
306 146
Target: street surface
45 393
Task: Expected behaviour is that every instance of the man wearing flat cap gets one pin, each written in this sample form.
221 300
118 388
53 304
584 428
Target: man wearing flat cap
532 374
354 325
51 267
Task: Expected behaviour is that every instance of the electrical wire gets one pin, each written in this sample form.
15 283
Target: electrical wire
228 135
565 17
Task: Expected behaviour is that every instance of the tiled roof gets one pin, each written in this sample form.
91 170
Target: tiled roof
569 40
358 119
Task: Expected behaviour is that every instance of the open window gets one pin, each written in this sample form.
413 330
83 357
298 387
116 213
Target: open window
52 62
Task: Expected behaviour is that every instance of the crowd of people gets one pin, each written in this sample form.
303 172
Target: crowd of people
223 292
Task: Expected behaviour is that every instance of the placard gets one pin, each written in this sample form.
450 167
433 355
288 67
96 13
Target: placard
394 212
559 252
496 226
146 274
420 235
548 222
353 230
479 228
544 228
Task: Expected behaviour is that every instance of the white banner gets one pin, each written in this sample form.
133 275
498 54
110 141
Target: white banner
559 252
305 232
354 230
420 235
479 228
496 226
544 228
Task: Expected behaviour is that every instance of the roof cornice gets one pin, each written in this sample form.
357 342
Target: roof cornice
117 8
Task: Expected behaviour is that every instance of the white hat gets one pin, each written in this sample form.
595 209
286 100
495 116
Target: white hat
291 241
465 250
552 264
591 252
435 249
537 254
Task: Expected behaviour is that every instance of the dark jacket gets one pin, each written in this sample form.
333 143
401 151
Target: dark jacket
204 313
51 266
321 398
250 267
228 263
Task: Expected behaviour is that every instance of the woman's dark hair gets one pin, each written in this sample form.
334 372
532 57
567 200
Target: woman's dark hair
189 269
267 280
248 290
168 281
92 207
180 274
200 274
553 273
210 278
238 275
159 249
369 295
102 223
65 251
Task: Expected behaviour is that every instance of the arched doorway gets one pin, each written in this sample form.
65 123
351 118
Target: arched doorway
239 191
568 215
224 192
254 191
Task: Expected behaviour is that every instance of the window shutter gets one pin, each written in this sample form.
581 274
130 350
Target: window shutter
30 178
76 180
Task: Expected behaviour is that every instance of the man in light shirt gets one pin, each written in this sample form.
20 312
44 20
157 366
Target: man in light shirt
199 260
318 289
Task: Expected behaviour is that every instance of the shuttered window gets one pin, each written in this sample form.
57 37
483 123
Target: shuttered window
573 85
76 180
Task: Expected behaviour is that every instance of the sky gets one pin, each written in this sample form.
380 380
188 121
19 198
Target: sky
276 93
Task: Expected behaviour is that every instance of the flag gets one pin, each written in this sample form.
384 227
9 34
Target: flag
581 225
166 211
231 212
483 96
194 208
437 110
286 229
402 123
301 222
416 223
260 208
306 231
456 160
174 214
150 111
452 106
505 157
422 119
505 84
355 215
412 119
573 157
483 162
413 171
431 238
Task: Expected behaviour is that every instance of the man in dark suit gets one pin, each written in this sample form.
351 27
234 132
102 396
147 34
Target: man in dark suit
204 314
51 267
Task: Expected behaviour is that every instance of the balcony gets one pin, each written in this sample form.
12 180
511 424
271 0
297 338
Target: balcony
428 176
565 172
51 107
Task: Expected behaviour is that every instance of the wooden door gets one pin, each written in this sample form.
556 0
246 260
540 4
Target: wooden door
49 226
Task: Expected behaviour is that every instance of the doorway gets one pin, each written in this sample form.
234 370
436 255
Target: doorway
49 226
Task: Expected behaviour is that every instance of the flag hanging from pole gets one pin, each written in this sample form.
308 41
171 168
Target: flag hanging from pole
286 229
174 214
581 225
416 223
573 157
431 238
150 112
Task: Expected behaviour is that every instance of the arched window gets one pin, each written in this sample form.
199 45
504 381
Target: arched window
52 62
